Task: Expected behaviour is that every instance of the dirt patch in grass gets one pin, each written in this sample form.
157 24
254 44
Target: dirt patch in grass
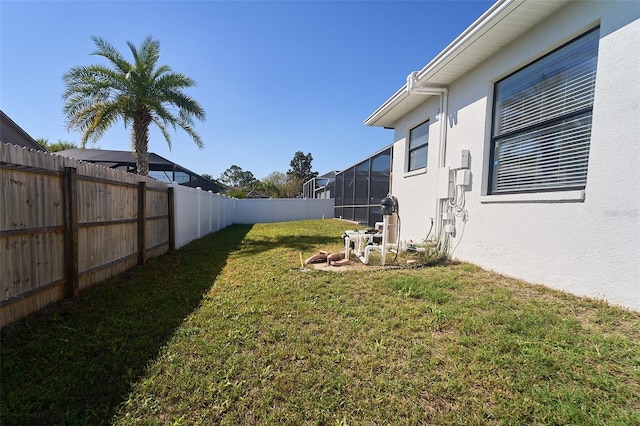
352 266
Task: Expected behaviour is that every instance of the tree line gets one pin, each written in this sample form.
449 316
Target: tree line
243 184
142 93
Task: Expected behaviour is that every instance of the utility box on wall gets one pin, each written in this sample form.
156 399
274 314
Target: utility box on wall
463 177
445 183
465 159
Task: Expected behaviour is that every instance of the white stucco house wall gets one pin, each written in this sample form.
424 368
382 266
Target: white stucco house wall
534 111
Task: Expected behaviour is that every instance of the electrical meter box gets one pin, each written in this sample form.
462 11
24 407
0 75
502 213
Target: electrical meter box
461 162
465 160
463 177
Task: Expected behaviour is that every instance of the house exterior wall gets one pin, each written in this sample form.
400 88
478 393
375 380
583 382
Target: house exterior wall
416 191
588 246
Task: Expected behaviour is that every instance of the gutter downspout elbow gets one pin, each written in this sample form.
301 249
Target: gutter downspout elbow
414 89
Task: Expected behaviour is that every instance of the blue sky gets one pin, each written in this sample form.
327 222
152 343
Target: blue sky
273 77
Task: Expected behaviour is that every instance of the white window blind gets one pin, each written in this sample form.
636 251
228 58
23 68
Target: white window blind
542 121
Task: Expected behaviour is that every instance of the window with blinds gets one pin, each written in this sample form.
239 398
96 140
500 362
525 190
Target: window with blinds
542 121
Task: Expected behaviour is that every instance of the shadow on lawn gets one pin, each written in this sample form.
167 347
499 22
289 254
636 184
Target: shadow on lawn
74 363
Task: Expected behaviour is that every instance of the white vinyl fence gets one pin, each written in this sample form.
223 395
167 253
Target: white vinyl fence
249 211
198 213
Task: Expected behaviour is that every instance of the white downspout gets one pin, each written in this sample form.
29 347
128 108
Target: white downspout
440 204
443 92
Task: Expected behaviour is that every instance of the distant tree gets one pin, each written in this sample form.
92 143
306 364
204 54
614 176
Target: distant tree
43 143
288 187
267 188
293 189
236 193
300 170
55 147
237 178
277 179
139 93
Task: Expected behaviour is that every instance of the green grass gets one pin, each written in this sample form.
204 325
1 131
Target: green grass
230 330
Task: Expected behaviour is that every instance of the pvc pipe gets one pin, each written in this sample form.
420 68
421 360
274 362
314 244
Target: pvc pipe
365 258
347 244
385 224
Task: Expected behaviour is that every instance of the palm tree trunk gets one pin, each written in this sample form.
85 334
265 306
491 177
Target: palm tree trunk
141 123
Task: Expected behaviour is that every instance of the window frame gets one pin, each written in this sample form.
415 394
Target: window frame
557 118
411 150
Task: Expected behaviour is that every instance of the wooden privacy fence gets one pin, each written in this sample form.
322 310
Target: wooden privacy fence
66 225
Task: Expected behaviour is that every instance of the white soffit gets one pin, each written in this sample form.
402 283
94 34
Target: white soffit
504 22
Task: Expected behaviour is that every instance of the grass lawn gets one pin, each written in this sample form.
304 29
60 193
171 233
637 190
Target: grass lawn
229 330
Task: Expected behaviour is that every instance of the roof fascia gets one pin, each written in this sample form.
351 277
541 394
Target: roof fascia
484 23
21 131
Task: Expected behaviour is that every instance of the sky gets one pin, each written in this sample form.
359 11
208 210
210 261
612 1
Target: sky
274 77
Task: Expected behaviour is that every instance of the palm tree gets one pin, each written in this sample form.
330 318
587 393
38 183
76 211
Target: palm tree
266 188
139 93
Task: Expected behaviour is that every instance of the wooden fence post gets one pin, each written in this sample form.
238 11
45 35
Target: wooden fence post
70 193
172 225
142 192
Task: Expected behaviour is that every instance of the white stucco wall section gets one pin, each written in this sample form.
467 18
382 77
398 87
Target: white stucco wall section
587 243
416 197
